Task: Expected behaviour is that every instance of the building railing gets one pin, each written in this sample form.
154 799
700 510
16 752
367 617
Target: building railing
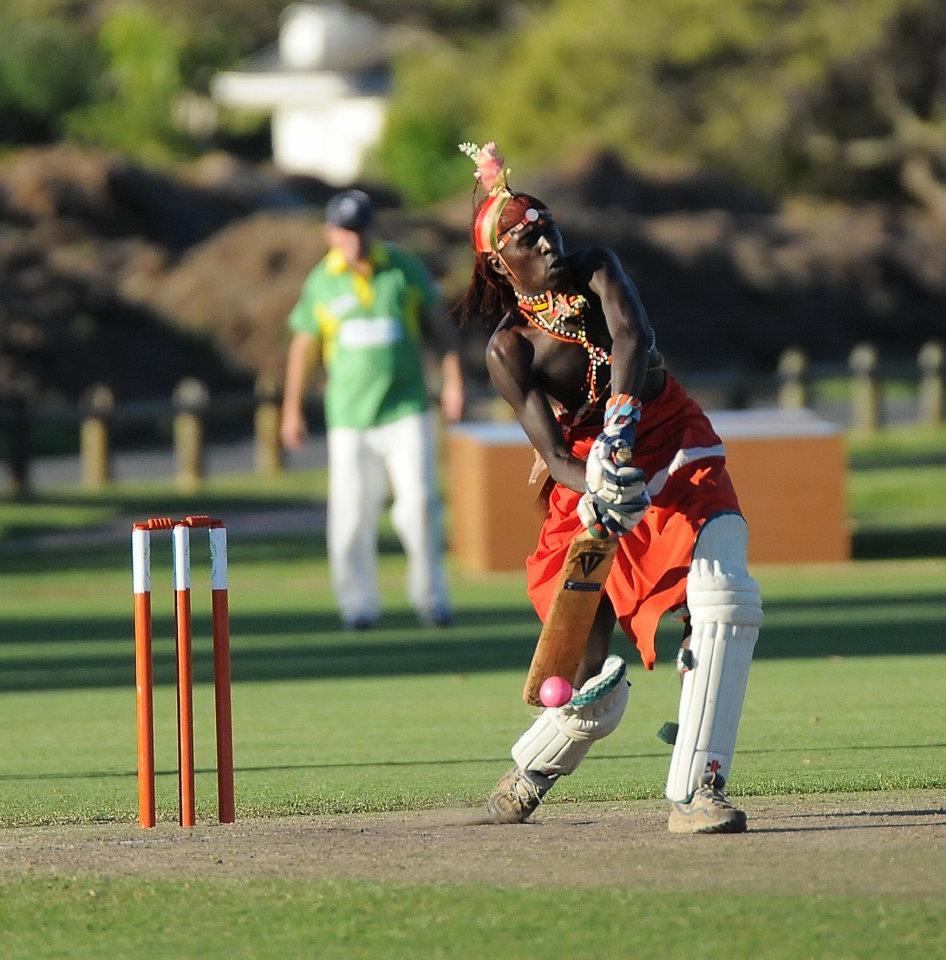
791 385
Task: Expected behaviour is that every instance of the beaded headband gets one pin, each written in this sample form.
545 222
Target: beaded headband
493 178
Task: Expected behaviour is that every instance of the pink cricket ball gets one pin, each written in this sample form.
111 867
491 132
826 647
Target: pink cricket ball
555 691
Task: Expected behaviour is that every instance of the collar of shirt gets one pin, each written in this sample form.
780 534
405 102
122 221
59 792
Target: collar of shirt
337 265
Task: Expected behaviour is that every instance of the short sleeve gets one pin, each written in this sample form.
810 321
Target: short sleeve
303 317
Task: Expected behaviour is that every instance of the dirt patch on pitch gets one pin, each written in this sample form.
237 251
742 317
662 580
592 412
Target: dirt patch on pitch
874 843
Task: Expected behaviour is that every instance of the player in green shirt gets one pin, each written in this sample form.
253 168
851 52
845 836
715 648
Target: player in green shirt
369 306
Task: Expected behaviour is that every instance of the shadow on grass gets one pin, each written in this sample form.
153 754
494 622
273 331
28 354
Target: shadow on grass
161 499
877 459
303 644
470 761
29 516
324 630
305 544
897 544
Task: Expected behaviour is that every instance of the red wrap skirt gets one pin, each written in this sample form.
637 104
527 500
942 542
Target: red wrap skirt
683 460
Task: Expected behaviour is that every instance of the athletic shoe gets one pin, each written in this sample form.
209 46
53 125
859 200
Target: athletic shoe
516 796
708 811
439 617
361 623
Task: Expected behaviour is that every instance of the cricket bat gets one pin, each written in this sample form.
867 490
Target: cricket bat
564 636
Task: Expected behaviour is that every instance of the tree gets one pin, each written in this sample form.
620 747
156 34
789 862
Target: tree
894 119
783 95
418 153
142 52
48 65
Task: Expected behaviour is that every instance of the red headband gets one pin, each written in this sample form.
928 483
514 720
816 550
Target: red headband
492 176
486 235
486 225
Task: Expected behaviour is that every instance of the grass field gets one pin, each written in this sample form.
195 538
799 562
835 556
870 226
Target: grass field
846 694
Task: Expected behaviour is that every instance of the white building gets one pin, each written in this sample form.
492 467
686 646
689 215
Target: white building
325 81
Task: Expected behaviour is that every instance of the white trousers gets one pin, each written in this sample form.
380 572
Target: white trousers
362 464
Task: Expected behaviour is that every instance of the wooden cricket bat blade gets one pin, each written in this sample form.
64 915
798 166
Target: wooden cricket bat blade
564 636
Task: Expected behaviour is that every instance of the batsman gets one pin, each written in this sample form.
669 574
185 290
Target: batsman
642 515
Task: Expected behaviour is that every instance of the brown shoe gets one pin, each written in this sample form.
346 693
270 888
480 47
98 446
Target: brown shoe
708 811
516 796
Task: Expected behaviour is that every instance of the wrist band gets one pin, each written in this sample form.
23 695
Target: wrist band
624 406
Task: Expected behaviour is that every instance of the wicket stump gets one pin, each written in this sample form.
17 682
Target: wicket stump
144 669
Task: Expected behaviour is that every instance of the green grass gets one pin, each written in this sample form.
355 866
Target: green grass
50 511
897 492
842 646
853 636
904 445
126 919
838 389
845 694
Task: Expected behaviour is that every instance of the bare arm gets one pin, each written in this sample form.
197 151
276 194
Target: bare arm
292 427
451 392
441 333
627 323
508 359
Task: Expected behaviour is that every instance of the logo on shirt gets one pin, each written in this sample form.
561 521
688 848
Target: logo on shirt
369 332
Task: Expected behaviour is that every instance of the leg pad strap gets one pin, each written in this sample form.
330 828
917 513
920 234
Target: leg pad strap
561 736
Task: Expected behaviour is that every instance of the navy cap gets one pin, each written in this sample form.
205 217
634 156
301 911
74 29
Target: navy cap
351 210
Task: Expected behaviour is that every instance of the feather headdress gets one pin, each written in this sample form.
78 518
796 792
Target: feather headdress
493 177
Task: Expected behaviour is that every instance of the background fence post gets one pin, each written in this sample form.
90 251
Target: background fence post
94 454
15 418
930 400
793 379
191 399
865 389
268 454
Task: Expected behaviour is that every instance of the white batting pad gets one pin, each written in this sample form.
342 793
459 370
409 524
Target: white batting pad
725 615
561 736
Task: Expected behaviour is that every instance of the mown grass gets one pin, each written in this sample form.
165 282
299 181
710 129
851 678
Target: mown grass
405 717
845 694
844 664
255 918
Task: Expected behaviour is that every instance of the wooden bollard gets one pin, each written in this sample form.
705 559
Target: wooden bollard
94 454
15 415
191 399
865 389
793 379
268 453
930 401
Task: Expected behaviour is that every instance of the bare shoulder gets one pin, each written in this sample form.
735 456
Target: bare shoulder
596 266
508 349
509 358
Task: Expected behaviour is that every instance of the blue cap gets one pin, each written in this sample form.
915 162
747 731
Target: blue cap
351 210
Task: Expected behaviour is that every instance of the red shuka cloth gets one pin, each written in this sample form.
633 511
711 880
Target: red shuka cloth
652 562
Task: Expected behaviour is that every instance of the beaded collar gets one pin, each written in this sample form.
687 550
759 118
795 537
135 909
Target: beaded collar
549 312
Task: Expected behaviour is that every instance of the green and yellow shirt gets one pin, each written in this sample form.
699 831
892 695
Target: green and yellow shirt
370 333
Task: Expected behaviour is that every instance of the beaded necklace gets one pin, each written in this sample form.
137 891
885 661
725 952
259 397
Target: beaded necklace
548 312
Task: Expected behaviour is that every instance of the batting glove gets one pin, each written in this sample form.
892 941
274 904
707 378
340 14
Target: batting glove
603 519
612 484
